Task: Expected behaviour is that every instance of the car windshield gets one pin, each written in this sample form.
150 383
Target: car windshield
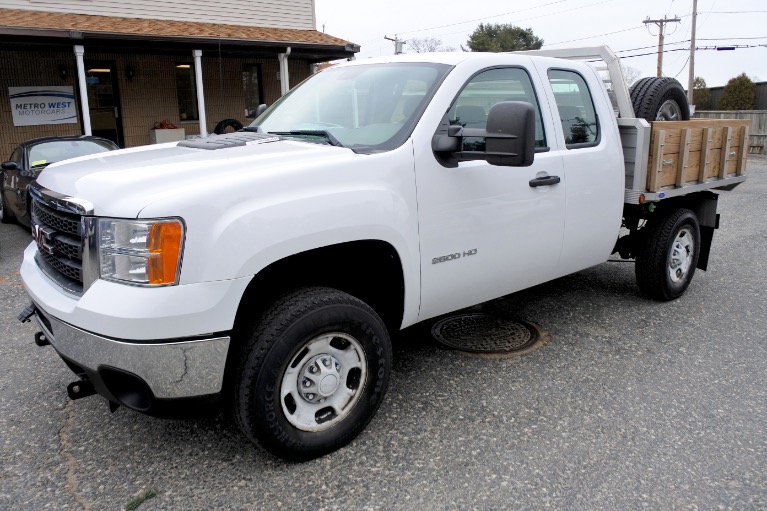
366 108
45 153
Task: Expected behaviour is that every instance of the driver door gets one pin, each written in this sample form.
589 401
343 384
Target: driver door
485 230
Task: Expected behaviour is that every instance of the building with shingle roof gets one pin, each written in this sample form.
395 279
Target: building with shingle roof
123 67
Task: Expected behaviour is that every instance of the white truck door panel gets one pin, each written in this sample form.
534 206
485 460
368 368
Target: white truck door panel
477 216
590 149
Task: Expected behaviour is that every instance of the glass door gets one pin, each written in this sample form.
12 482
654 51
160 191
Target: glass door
103 101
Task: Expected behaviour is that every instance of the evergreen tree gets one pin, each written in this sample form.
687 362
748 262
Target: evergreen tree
496 37
701 95
738 94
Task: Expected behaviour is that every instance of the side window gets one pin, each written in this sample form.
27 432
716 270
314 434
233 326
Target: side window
489 87
576 108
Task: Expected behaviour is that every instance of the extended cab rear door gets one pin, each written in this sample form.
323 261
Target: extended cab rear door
487 230
588 140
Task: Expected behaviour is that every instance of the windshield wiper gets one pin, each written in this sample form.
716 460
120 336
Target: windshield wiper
255 129
332 140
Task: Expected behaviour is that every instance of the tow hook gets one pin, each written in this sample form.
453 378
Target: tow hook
80 389
27 313
41 340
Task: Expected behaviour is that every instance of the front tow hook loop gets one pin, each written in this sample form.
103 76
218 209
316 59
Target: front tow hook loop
27 313
41 340
80 389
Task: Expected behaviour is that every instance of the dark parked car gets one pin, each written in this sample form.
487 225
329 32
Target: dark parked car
29 159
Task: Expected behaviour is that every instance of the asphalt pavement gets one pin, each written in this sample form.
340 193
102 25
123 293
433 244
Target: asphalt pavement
631 404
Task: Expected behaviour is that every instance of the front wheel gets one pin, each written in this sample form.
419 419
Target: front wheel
314 371
668 255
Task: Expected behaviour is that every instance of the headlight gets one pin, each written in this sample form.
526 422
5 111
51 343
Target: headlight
140 252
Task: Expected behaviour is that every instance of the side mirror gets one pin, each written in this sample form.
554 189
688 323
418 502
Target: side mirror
10 165
508 140
260 109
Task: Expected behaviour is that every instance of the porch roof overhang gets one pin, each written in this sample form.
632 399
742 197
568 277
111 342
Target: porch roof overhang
27 30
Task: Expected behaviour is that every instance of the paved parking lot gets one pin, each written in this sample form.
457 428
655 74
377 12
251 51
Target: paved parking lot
631 405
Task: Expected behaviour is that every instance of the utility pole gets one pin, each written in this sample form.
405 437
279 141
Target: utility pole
398 44
691 80
661 25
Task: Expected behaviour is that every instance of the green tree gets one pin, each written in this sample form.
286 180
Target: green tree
738 94
701 95
498 37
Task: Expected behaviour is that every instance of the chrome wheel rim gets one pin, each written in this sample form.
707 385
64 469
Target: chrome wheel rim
323 382
680 258
669 111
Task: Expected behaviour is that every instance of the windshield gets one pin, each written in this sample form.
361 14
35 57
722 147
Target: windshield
365 108
45 153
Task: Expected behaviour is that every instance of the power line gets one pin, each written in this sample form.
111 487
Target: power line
483 18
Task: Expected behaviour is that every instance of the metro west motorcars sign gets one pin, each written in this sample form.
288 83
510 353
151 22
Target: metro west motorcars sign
31 106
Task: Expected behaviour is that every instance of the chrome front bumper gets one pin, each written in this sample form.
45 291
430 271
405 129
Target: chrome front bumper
171 370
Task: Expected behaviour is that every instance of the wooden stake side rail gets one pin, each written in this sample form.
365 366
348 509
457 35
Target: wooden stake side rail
699 151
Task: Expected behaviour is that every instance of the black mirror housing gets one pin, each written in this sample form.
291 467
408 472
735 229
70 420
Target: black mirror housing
514 122
10 165
509 138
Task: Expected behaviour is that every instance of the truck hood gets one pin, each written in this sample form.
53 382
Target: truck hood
122 183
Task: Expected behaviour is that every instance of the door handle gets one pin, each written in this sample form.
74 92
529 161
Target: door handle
544 181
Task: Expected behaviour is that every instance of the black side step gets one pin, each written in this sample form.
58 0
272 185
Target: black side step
80 389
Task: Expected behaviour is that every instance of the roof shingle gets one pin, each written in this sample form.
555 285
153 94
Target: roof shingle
15 18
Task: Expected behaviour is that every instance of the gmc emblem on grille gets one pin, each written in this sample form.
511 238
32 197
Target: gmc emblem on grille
42 236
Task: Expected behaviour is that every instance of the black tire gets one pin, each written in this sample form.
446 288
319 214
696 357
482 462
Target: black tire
670 245
6 217
286 347
227 124
659 99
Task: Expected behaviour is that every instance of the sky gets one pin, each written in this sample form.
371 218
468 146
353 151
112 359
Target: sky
571 23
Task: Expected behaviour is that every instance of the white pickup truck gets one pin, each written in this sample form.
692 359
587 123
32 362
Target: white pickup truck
263 271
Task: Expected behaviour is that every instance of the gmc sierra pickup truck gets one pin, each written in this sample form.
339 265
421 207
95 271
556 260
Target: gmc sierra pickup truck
263 271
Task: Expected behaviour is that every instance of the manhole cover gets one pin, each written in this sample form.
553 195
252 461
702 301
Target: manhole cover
486 334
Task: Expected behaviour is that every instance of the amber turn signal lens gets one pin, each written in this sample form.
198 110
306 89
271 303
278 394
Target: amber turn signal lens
164 244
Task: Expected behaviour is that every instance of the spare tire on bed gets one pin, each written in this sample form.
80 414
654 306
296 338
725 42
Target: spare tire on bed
659 99
227 126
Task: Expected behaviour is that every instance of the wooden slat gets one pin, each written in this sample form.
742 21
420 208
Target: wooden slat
743 148
704 154
684 156
657 161
725 153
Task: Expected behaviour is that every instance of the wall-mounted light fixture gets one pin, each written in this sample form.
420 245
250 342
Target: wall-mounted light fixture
129 72
63 71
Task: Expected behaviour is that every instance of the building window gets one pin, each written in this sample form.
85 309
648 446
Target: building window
187 92
251 86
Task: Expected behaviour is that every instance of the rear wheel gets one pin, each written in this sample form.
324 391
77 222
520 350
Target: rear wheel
659 99
314 370
668 255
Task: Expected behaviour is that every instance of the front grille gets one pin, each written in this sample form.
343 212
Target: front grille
59 244
68 223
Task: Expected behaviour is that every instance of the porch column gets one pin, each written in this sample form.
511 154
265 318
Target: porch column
84 107
284 76
200 92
